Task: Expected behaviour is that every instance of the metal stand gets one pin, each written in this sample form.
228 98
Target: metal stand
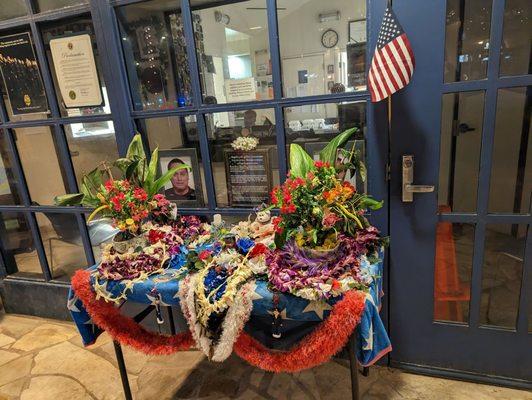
123 371
351 347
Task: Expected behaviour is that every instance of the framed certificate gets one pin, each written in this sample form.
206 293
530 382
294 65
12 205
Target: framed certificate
76 72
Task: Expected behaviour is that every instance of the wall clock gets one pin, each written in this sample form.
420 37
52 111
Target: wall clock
329 38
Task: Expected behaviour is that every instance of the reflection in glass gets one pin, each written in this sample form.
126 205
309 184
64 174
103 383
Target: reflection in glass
76 26
18 249
516 53
243 178
452 271
501 274
21 84
177 140
154 47
511 169
461 134
91 144
318 54
8 180
467 35
45 5
313 126
13 9
62 244
43 172
233 51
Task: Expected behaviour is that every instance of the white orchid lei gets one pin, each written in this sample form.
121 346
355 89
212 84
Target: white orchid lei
245 143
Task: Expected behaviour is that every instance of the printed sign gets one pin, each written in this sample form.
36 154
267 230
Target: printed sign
21 75
240 90
248 177
76 71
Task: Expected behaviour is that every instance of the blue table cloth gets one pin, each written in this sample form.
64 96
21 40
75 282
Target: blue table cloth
299 316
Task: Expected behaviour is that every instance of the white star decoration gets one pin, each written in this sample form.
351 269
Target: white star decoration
319 307
256 296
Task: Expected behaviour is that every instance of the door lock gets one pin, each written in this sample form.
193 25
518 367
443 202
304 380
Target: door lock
408 177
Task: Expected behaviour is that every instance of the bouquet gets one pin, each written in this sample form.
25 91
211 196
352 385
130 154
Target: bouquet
245 143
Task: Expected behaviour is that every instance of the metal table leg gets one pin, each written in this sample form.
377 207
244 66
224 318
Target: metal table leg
171 320
351 347
123 371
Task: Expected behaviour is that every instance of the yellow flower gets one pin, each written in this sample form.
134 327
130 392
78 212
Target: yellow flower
101 197
121 226
130 221
300 239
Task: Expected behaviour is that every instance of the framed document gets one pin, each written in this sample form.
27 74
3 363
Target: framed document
21 75
76 71
249 178
357 31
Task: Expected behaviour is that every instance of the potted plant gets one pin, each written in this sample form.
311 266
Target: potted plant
126 201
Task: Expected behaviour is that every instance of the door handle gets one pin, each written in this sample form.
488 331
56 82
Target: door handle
408 177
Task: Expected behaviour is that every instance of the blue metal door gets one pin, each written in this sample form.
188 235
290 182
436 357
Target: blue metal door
460 273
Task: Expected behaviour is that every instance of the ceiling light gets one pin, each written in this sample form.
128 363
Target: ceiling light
255 27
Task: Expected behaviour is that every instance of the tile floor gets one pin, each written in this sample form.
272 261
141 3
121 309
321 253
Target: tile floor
44 359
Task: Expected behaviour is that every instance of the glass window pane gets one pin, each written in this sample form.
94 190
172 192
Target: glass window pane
243 177
461 134
511 169
155 53
501 274
8 179
317 55
177 139
62 243
45 5
43 172
516 53
467 36
313 126
12 9
90 145
233 51
452 271
21 81
18 248
76 27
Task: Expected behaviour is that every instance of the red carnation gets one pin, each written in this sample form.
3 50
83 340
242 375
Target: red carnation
257 250
154 236
204 255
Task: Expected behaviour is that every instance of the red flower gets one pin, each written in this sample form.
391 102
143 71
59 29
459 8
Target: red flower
321 164
276 221
257 250
274 194
140 194
310 175
336 285
154 236
329 220
289 209
204 255
109 185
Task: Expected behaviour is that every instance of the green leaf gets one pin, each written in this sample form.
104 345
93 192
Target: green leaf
130 170
280 239
300 161
136 148
329 153
165 178
122 164
73 199
362 171
370 203
152 170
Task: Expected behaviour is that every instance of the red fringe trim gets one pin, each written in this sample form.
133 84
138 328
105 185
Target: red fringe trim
124 329
316 348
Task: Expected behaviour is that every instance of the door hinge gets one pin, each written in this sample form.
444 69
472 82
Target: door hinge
388 172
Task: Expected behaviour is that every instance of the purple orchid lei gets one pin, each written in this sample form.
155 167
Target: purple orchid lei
292 269
131 267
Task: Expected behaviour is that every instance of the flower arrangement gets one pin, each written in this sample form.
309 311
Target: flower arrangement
245 143
315 204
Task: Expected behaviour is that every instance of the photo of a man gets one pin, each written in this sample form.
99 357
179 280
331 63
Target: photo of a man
182 183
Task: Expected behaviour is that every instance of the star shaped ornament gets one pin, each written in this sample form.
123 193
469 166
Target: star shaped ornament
319 307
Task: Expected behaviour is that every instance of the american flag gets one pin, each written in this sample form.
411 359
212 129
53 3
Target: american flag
393 61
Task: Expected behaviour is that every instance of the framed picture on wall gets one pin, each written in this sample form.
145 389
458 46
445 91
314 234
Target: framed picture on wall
314 148
184 189
356 31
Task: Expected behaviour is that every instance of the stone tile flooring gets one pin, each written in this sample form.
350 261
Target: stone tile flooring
44 359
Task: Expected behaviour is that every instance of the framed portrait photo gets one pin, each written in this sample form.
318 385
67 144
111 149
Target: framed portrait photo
184 189
353 177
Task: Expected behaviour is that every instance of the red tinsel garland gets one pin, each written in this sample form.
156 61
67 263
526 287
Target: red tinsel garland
124 329
316 348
